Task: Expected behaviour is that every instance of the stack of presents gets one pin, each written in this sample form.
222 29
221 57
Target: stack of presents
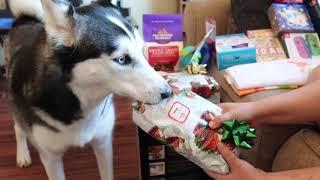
281 57
256 60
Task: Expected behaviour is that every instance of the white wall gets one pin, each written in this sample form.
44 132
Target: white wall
140 7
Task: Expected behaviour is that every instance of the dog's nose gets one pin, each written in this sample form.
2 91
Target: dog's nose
166 94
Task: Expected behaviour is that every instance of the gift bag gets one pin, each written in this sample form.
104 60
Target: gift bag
164 40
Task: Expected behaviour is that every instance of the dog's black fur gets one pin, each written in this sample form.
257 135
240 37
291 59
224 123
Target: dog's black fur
50 91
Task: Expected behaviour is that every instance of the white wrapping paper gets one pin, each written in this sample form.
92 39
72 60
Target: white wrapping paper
182 123
184 81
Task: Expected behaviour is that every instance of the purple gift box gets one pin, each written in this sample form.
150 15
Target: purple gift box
162 28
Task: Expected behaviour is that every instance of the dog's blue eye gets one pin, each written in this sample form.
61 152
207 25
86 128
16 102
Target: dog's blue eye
123 60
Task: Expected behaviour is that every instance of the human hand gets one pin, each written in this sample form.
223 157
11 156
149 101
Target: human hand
239 111
240 169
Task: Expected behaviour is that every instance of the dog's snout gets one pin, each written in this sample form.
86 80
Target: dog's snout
167 93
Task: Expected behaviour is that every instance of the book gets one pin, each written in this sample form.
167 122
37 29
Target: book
268 46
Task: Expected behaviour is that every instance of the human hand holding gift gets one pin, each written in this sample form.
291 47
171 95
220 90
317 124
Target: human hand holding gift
240 169
239 111
182 122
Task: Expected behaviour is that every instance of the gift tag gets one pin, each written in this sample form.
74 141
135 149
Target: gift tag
179 112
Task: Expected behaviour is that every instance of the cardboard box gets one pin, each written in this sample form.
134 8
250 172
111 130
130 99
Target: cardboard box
233 50
268 46
302 45
290 18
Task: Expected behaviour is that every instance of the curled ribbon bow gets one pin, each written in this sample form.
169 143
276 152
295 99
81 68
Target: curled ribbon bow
238 133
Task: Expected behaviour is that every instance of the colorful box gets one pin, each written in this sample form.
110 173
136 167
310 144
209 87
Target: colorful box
290 18
233 50
302 45
268 46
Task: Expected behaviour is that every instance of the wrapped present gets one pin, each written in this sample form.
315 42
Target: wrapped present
302 45
203 85
233 50
268 46
164 40
290 18
181 122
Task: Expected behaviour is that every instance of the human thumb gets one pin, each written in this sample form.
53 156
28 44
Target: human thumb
218 121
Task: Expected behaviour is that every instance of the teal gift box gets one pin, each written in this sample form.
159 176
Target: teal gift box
233 50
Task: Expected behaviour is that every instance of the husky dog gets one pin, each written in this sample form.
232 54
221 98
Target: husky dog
64 64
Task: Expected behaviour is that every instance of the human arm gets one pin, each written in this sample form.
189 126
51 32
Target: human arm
240 169
300 106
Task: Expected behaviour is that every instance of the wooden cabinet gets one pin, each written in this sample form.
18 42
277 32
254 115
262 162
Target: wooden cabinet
171 167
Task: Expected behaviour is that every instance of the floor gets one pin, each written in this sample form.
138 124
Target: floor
80 164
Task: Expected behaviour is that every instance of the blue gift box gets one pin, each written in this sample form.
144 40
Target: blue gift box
290 18
233 50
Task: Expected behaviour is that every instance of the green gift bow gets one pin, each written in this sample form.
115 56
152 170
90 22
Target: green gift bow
238 133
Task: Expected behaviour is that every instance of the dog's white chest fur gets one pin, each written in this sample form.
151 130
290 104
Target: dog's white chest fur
97 124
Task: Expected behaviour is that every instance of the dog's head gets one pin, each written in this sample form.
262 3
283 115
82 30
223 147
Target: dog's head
101 50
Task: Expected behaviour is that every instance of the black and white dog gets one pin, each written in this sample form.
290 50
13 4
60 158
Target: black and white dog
64 64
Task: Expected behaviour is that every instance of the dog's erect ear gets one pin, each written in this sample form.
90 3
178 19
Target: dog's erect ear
58 20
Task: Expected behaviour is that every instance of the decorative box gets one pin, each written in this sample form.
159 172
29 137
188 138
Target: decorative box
233 50
290 18
267 44
302 45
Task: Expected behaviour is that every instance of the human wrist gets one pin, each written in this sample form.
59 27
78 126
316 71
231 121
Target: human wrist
253 113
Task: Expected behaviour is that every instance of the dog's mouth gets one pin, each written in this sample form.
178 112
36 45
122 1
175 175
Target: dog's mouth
152 104
148 103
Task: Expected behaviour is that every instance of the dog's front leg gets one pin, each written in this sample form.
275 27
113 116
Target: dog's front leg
104 154
53 164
